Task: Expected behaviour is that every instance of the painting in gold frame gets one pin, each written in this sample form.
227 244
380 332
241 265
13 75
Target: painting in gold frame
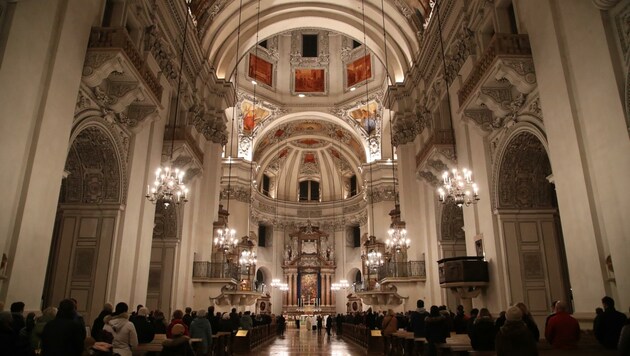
359 70
309 80
260 70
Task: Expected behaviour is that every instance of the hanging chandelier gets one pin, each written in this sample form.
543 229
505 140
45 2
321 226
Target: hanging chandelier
458 188
169 187
275 283
397 238
248 258
225 239
374 259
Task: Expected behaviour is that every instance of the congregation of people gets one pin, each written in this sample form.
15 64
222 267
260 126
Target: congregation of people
62 330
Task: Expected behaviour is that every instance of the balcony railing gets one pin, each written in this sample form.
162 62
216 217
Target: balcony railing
204 269
501 45
410 269
118 38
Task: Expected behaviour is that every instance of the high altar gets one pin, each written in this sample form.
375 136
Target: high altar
309 270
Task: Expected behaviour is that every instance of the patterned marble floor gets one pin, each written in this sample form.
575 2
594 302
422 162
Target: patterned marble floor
304 342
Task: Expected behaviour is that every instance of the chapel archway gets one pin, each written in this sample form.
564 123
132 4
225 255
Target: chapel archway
529 223
90 204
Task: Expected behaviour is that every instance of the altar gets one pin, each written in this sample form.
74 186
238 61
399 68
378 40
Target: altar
309 270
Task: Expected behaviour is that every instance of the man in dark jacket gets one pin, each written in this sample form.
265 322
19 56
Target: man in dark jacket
17 311
188 317
416 319
144 327
607 325
97 325
235 320
64 335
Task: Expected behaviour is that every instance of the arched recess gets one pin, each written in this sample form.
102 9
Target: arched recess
353 275
167 228
452 241
529 223
263 276
88 214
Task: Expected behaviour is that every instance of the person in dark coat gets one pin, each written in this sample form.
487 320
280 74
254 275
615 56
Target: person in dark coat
483 332
144 328
460 321
607 326
97 325
179 345
8 342
514 338
235 320
178 316
528 319
436 330
416 319
159 322
64 335
329 324
24 339
17 311
471 321
188 318
370 319
500 320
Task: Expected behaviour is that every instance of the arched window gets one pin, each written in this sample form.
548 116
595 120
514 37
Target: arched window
308 190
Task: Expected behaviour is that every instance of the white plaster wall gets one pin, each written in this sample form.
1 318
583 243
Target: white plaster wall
39 82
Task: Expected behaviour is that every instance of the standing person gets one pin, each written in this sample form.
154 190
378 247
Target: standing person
247 323
416 319
607 326
144 327
483 332
624 339
235 320
460 321
79 318
177 319
514 338
63 335
339 321
282 324
188 317
297 322
370 319
123 331
328 324
24 338
200 328
159 322
179 344
389 326
319 324
528 319
7 338
47 315
563 331
97 325
17 311
437 330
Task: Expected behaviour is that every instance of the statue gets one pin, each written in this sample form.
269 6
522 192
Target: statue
287 253
294 240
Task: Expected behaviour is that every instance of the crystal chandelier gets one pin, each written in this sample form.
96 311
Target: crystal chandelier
225 239
374 259
248 258
458 188
169 186
397 238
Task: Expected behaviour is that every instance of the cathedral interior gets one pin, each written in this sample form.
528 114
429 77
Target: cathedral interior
302 148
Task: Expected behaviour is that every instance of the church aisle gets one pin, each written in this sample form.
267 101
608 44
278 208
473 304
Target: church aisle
305 342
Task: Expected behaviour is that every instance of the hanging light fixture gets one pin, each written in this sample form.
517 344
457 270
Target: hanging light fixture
248 258
225 239
169 187
374 260
457 188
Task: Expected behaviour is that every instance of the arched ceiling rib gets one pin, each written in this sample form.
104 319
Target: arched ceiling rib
220 40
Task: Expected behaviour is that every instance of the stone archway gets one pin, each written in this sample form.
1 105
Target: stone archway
529 223
89 210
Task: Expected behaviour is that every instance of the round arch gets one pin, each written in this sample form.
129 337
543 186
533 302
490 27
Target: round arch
220 39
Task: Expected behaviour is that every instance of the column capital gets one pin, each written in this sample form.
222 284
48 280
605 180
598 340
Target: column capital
605 4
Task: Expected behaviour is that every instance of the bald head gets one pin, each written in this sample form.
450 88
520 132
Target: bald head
561 306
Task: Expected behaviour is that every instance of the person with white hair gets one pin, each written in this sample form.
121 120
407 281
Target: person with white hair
514 338
200 328
144 328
